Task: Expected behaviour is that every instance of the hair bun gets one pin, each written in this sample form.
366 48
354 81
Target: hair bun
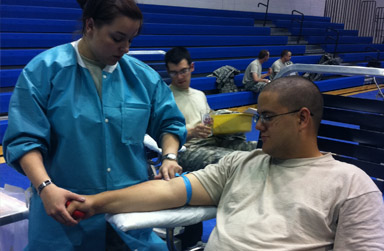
82 3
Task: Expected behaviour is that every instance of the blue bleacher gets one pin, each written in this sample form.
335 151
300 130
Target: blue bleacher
321 32
47 40
214 37
172 10
45 3
353 47
342 40
308 24
23 56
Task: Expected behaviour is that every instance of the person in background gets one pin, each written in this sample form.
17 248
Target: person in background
283 61
202 148
287 194
77 121
253 80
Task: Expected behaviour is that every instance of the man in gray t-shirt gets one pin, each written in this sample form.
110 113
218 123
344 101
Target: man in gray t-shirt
283 61
253 80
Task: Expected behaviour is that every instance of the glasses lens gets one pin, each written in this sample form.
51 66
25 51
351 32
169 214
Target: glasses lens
256 117
173 74
184 71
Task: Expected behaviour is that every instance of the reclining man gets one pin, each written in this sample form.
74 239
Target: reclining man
201 148
288 195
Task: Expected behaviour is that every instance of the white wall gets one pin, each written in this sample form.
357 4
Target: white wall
379 3
308 7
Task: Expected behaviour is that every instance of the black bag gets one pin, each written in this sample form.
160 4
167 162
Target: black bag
326 59
374 64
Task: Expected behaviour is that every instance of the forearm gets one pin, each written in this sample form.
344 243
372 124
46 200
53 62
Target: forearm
263 76
257 79
170 143
144 197
33 167
149 196
53 197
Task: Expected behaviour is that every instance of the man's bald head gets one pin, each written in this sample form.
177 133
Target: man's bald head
296 92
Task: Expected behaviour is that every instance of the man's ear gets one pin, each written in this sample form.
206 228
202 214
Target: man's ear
192 67
304 117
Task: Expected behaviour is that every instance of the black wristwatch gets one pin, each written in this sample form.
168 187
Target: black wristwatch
170 156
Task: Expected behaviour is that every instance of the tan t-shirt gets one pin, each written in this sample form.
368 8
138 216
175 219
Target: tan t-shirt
192 103
296 204
96 70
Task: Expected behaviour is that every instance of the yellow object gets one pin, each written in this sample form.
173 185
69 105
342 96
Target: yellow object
232 123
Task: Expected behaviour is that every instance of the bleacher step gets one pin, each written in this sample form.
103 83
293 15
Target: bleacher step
260 23
280 32
293 40
314 49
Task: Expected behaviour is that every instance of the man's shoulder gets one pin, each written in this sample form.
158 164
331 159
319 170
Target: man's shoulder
195 91
241 158
277 61
255 62
348 175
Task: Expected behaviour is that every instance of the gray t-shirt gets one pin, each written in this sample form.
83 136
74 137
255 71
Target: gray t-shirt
277 66
254 66
297 204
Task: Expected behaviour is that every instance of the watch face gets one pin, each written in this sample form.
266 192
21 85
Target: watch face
170 156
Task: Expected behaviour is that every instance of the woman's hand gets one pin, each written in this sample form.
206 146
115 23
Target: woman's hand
87 207
168 169
54 199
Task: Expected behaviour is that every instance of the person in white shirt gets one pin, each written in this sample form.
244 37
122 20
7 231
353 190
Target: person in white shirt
202 148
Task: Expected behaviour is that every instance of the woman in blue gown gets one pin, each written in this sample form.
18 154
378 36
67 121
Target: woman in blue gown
77 120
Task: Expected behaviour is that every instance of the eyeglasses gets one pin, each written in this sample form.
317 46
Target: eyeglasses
182 72
268 118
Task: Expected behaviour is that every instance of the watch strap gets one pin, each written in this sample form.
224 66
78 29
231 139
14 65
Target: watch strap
43 185
169 156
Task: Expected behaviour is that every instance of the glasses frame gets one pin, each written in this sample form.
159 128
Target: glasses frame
182 72
265 119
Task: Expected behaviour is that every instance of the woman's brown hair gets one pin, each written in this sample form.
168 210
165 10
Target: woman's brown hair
105 11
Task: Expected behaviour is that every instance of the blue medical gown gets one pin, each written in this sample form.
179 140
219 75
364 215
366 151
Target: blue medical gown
89 145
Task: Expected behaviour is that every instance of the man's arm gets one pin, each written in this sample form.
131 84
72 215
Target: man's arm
262 78
148 196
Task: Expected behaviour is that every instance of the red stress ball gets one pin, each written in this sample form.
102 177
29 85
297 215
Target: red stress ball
77 214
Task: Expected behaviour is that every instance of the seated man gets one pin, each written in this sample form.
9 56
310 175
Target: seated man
283 61
201 148
253 80
288 195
